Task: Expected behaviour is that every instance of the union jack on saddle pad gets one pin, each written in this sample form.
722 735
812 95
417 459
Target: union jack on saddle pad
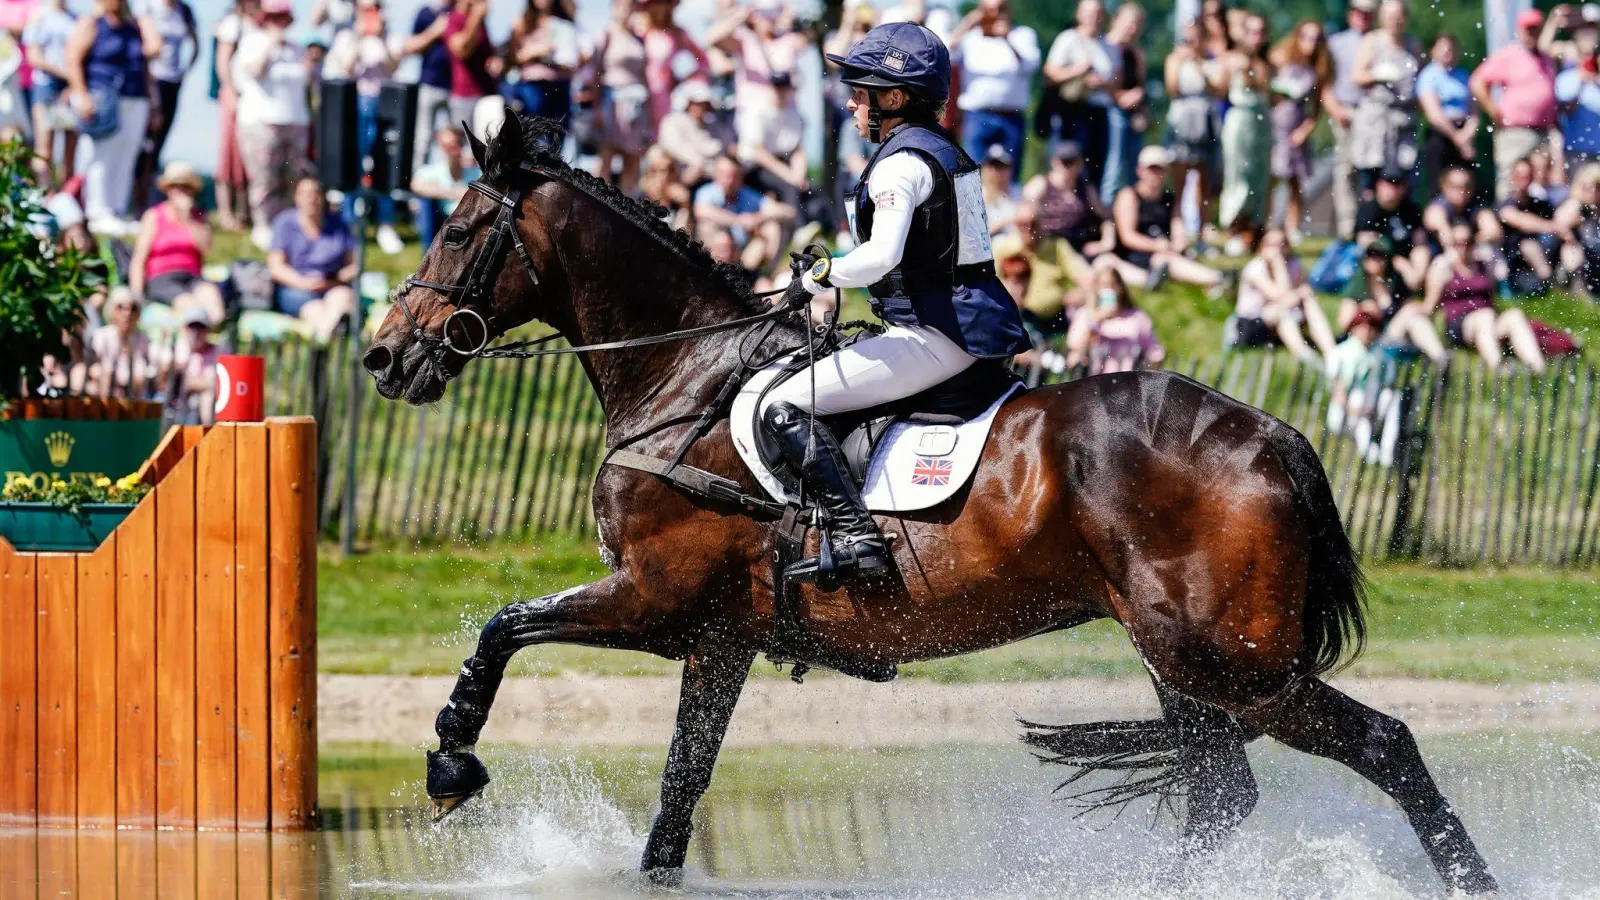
932 472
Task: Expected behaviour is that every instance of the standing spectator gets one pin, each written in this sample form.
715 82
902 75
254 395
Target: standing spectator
668 52
1532 238
442 182
1078 68
471 56
1069 206
434 78
338 15
174 23
762 44
273 117
312 261
1114 334
696 135
1127 117
1151 239
112 92
1526 109
121 362
999 193
755 222
1459 283
171 247
363 53
1246 75
626 130
544 53
44 40
1275 302
1578 91
997 61
1446 101
229 178
1383 131
1339 99
1192 126
1393 215
1304 69
1216 29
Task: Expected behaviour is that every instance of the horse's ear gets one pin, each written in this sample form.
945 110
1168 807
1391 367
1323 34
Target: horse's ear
508 146
480 153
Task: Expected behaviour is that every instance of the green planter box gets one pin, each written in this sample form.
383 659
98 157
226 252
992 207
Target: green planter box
45 526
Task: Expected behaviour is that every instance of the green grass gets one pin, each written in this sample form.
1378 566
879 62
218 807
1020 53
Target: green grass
416 610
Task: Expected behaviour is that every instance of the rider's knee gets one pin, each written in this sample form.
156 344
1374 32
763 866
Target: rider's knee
781 414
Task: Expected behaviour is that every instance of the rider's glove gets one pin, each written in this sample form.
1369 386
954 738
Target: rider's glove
795 296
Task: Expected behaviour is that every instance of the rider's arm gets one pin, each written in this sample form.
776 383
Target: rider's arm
898 185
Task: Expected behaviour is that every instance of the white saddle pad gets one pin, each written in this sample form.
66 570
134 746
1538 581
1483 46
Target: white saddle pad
914 466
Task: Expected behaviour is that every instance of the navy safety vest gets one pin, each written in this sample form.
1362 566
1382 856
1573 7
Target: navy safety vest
946 278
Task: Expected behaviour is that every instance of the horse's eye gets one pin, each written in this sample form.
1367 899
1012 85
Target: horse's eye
454 236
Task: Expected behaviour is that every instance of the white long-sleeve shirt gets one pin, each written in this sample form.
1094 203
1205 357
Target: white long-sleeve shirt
898 185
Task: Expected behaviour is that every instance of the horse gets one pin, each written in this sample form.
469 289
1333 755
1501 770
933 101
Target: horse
1204 527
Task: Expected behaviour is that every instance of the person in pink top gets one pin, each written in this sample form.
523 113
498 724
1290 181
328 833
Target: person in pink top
14 16
761 41
1525 110
171 247
664 42
1113 335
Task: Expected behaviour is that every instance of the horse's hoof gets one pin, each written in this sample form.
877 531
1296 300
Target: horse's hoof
665 877
453 778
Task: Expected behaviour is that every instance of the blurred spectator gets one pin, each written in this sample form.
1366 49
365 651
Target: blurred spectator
1151 239
1340 99
1548 182
1127 117
1378 292
1455 205
471 59
192 373
660 184
755 222
626 130
362 53
1579 217
1446 102
1053 268
121 363
171 246
999 193
997 61
671 56
338 15
1531 242
1192 127
1460 283
1526 109
1578 91
1354 396
45 40
695 135
1383 130
174 24
312 261
273 117
1078 69
544 53
1069 206
770 147
229 179
1275 302
110 89
1246 75
1216 28
1113 334
1393 215
720 244
761 41
1303 69
435 75
442 182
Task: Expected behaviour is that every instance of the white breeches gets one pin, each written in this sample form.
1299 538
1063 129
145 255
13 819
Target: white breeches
896 364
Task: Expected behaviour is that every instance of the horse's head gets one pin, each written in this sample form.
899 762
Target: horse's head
478 280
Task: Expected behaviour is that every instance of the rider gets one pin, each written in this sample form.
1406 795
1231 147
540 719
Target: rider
922 251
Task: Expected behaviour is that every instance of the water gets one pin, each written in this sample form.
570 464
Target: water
925 824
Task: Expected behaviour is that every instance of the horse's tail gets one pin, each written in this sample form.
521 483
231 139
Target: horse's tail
1336 591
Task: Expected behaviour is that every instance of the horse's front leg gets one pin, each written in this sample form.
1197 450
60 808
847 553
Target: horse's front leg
713 676
593 614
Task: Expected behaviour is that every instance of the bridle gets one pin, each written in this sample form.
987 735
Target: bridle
485 271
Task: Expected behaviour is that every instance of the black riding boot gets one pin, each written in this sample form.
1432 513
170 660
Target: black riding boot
855 544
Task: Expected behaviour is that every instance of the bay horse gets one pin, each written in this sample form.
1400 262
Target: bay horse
1206 528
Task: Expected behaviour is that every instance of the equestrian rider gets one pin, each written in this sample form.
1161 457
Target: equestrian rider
922 251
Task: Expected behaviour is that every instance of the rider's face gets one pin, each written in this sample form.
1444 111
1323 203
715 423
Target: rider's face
860 104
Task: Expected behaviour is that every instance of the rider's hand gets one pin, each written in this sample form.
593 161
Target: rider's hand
795 296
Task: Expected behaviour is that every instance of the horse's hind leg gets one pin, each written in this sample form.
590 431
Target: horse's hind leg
1317 719
713 677
1220 790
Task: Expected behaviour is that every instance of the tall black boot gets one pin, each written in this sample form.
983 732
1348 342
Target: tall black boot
854 543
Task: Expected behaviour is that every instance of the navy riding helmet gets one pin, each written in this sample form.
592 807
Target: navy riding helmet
899 55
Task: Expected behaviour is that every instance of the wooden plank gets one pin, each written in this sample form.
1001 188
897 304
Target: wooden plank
137 567
18 700
164 457
19 865
252 737
215 770
254 867
97 863
136 866
175 679
292 616
217 863
58 863
58 688
97 687
176 867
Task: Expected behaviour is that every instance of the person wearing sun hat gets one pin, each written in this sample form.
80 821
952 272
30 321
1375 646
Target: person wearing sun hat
170 248
1516 89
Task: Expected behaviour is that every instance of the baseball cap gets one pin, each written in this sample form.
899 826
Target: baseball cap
1362 317
900 54
1366 6
196 316
997 155
1069 151
1154 156
1529 18
1395 174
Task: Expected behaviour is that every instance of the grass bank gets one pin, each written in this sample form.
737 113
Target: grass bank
415 610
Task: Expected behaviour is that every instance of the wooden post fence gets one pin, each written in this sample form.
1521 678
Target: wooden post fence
167 679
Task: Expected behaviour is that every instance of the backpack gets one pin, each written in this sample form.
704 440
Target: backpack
1335 267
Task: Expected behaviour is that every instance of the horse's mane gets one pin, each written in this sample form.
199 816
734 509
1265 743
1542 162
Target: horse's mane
543 139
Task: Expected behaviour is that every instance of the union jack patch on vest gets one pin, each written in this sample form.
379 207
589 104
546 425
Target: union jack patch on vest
931 472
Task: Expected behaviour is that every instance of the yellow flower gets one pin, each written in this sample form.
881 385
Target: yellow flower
102 482
58 485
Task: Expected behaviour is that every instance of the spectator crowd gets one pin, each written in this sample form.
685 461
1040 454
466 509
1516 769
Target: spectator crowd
1153 164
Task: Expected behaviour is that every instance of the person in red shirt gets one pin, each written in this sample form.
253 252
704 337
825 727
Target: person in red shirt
1526 108
473 63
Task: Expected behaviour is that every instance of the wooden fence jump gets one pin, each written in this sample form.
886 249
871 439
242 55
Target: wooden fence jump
168 678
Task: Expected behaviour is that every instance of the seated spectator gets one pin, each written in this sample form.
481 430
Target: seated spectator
659 183
695 136
999 194
120 361
755 222
1113 335
312 261
770 146
1459 283
1378 292
1275 302
1531 241
192 374
1579 219
1457 205
1391 214
442 183
720 244
1549 181
1151 238
1069 204
171 247
1355 398
1053 269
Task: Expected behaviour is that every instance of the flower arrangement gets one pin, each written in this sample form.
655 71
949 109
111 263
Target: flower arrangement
73 494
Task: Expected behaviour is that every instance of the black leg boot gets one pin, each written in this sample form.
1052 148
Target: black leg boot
854 545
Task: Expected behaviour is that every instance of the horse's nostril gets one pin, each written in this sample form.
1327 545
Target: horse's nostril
378 359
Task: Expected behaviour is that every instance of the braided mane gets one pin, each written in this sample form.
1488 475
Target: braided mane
543 138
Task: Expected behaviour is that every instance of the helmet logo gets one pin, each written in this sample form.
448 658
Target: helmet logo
895 59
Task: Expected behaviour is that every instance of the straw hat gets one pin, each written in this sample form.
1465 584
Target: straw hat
179 174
